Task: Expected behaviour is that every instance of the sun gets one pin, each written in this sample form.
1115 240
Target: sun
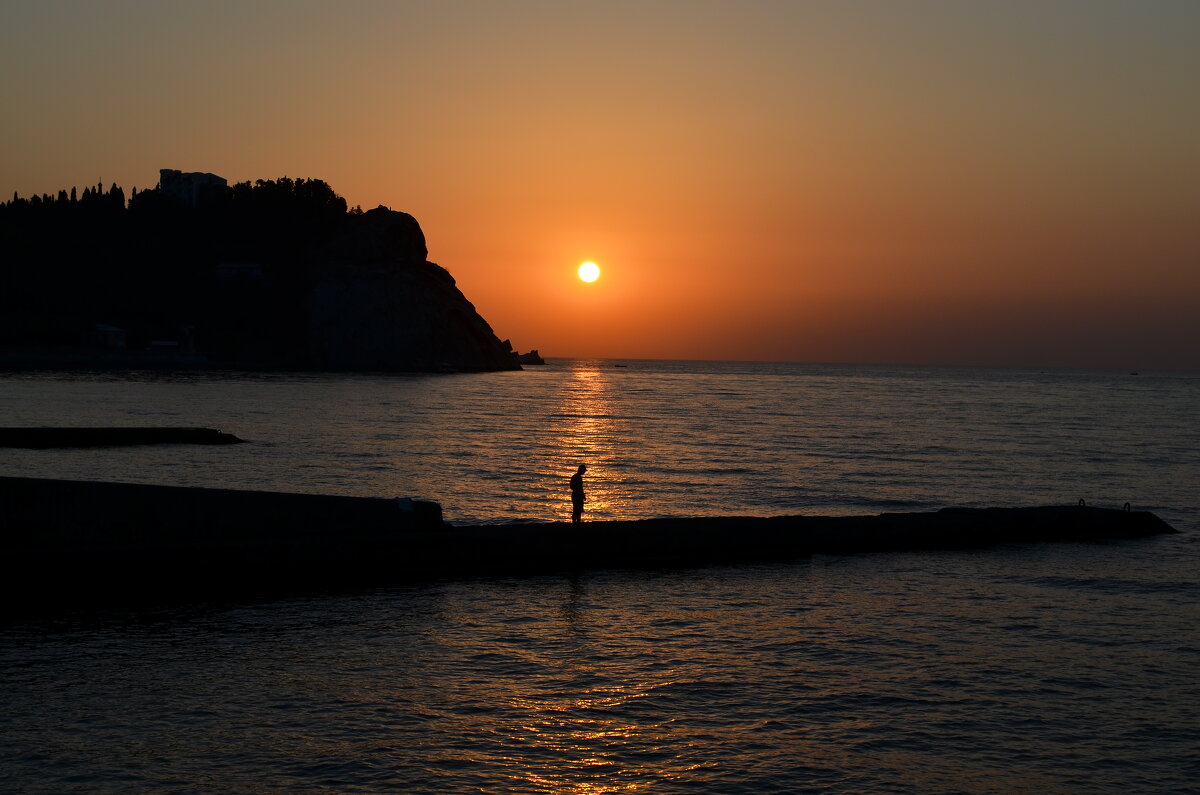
589 271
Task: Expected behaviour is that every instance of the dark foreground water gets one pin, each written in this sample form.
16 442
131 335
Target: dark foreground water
1060 667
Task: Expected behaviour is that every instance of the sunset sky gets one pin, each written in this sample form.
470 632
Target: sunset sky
1000 183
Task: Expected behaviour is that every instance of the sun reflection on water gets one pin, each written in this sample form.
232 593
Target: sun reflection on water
577 721
587 433
589 738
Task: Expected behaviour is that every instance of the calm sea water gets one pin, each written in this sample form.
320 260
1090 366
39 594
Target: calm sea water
1058 667
660 438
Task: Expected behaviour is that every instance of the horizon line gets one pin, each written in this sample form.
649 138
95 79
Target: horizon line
1130 370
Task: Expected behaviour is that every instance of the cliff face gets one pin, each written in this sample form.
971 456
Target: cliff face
378 304
411 317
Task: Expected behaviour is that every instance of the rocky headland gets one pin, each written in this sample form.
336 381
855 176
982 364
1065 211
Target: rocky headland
279 274
377 302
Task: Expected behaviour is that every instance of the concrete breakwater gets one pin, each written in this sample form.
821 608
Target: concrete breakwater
72 540
67 514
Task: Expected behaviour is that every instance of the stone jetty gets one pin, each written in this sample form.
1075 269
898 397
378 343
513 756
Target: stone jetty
75 542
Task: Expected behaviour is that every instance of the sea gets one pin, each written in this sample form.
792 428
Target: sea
1057 667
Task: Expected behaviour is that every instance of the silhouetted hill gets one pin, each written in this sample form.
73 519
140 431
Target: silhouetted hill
278 274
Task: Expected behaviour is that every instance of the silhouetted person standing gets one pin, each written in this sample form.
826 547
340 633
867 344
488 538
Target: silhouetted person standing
577 497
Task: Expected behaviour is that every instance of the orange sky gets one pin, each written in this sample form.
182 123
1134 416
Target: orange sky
1010 183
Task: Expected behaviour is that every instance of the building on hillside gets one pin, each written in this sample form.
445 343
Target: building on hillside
193 188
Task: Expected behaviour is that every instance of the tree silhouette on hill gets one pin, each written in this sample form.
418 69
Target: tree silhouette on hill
149 265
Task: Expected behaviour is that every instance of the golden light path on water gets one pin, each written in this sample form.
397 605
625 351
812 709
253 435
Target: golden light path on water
588 725
590 746
589 435
590 719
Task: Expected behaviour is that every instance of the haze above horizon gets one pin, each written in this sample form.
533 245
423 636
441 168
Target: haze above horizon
899 182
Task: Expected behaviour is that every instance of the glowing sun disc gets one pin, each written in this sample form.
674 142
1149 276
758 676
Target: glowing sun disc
589 271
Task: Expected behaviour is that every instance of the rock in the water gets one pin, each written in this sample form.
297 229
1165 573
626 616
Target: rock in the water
44 438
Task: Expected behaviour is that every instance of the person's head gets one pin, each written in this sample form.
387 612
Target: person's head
582 468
